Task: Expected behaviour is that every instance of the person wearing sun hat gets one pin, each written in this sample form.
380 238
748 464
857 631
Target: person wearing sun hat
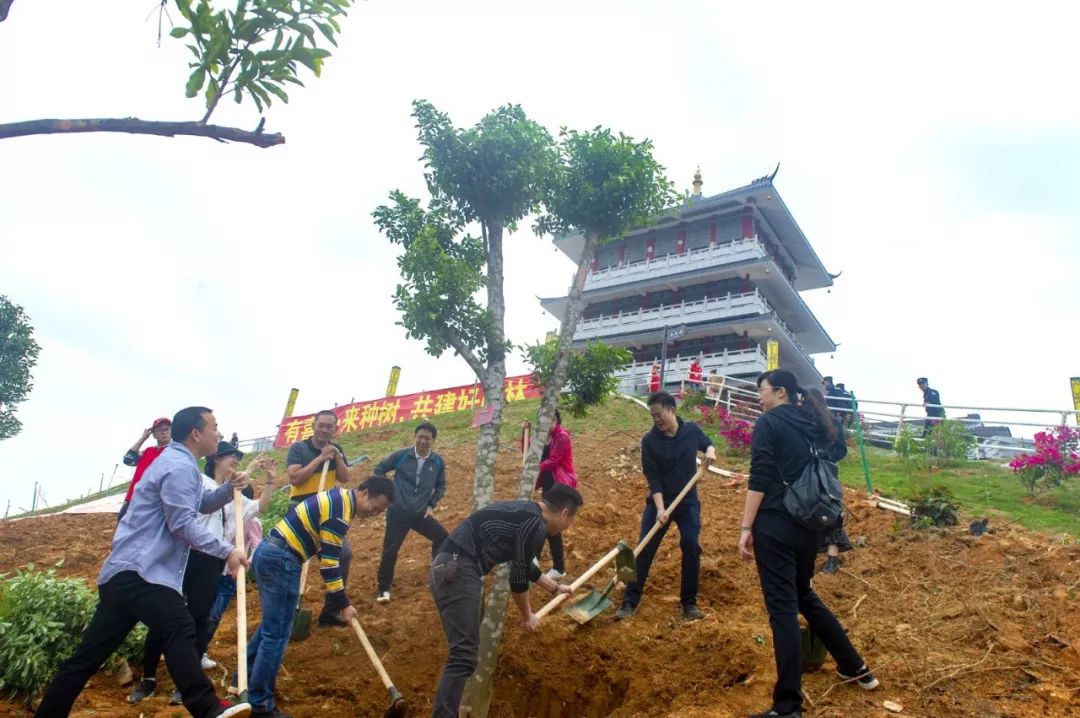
141 459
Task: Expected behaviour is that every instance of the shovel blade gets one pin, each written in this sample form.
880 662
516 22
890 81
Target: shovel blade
398 708
301 626
588 608
625 563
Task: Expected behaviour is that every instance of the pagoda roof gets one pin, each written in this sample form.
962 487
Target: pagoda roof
760 194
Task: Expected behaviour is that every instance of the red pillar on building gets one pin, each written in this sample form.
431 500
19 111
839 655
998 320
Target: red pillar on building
712 234
748 223
650 248
680 248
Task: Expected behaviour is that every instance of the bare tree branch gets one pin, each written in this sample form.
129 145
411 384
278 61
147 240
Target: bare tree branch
470 358
136 126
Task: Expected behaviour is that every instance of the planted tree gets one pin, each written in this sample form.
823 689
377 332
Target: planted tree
18 355
590 373
252 51
604 186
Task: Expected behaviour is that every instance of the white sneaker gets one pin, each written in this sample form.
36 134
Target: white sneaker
554 574
208 662
383 597
238 710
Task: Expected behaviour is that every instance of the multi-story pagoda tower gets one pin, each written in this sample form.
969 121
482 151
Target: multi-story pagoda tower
723 273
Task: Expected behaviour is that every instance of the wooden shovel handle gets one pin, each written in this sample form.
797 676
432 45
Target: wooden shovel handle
372 656
678 500
304 568
555 602
241 596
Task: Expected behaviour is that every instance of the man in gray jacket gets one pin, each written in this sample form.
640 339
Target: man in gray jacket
419 485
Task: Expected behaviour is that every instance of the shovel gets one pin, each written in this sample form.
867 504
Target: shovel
397 702
595 602
241 602
302 624
623 556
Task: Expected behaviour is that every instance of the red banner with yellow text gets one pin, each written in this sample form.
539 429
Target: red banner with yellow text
396 409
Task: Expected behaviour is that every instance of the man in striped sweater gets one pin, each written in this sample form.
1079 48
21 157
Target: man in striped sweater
504 531
316 526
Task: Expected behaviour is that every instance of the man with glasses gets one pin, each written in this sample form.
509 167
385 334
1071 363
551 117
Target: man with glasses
304 464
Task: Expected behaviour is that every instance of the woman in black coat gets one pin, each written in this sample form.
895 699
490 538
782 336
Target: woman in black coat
784 550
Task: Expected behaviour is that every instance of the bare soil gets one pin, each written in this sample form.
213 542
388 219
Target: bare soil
953 625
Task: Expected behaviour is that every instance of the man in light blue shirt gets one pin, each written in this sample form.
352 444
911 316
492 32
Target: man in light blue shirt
142 578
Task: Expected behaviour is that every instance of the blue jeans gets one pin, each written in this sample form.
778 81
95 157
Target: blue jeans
277 572
226 589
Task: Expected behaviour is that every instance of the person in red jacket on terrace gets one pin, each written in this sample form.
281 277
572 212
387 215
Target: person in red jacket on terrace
695 370
141 460
557 467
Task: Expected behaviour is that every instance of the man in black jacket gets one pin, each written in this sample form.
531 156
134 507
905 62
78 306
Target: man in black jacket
669 460
932 404
419 485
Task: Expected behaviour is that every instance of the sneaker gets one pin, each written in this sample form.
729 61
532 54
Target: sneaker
144 690
691 612
554 574
235 710
331 620
208 662
625 611
832 565
383 597
176 699
866 679
774 714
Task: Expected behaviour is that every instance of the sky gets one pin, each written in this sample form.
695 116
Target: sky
930 153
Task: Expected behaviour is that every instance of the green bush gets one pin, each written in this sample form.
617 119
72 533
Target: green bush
275 512
947 443
935 506
42 619
692 398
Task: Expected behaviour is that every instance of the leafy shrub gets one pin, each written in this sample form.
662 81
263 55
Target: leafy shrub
691 399
933 507
590 373
42 619
1054 460
275 512
736 433
947 443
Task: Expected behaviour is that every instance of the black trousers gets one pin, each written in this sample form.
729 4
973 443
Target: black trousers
123 601
200 590
398 525
785 552
687 516
344 561
555 544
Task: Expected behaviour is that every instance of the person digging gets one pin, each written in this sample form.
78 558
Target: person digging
669 461
419 485
316 526
501 532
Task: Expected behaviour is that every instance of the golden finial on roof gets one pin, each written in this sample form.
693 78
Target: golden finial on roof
697 182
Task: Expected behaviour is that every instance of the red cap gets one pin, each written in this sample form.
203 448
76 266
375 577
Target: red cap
159 422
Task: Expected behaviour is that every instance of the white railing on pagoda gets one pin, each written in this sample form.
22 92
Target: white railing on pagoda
725 307
669 264
634 379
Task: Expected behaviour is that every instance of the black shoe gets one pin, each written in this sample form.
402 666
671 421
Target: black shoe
774 714
144 690
866 679
275 713
691 612
331 620
832 565
625 611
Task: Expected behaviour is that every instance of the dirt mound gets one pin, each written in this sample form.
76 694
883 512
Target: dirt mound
953 625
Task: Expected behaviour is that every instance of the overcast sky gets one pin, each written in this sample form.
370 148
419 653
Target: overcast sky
929 152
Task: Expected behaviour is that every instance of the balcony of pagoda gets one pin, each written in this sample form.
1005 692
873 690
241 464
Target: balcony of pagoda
656 318
670 265
634 378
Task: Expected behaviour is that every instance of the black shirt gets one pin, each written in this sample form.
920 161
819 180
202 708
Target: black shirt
669 462
931 396
503 531
780 449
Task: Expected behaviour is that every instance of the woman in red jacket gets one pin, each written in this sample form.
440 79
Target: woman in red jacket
557 467
654 379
